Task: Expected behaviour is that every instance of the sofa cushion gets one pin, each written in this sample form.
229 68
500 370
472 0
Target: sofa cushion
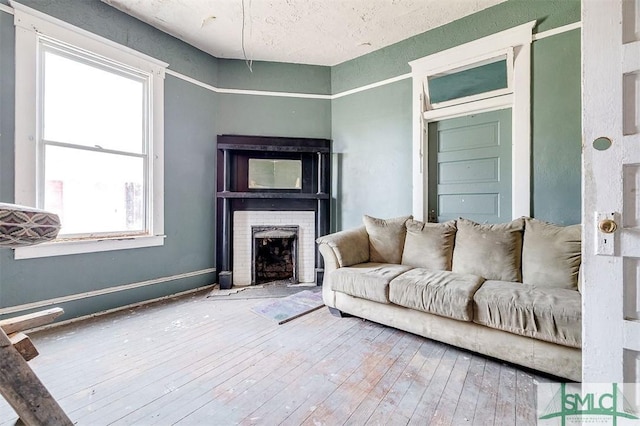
438 292
551 254
429 245
367 280
550 314
386 238
491 251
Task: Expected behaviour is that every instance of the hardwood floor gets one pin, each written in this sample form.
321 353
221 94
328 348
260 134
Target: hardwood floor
214 362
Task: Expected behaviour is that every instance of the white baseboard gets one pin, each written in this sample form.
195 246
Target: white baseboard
94 293
121 308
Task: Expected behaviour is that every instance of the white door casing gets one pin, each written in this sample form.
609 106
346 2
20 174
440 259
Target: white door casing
515 44
611 190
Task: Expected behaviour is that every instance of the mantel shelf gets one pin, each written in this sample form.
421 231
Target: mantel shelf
273 195
271 148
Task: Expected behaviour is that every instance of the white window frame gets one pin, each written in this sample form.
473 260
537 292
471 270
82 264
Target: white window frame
31 26
515 45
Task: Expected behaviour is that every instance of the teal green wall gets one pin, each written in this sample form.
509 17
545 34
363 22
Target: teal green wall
373 176
273 116
193 117
372 154
393 60
274 76
556 128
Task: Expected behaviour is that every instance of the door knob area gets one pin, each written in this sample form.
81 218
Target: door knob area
608 226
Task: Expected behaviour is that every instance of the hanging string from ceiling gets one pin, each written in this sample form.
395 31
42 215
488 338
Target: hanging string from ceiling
244 52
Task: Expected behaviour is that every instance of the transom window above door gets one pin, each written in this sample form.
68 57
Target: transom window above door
479 80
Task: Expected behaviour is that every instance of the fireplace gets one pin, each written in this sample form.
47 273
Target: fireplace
244 224
271 182
274 254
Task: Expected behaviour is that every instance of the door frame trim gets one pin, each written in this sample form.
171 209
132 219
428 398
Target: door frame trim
517 39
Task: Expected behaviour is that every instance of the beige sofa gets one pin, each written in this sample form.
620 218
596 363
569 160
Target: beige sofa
509 291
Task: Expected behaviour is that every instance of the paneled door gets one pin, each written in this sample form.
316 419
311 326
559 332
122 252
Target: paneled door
611 190
470 168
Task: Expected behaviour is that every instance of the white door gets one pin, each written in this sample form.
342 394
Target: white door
611 190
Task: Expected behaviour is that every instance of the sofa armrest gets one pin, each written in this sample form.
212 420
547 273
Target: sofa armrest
330 265
350 247
340 249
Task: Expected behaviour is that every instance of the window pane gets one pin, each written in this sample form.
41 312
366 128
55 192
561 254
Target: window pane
481 79
94 192
88 105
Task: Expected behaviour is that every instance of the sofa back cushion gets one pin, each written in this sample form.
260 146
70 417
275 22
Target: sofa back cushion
490 251
429 245
551 254
386 238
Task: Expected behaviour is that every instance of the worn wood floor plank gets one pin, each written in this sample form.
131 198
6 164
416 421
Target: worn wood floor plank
486 407
470 392
297 398
203 359
426 407
380 403
429 358
351 394
506 398
283 359
526 396
220 370
387 410
107 349
196 361
296 390
445 410
285 389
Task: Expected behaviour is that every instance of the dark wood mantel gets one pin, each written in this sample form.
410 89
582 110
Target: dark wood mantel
233 192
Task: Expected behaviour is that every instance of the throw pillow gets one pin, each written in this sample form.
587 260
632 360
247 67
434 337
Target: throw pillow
26 226
551 254
386 238
491 251
429 245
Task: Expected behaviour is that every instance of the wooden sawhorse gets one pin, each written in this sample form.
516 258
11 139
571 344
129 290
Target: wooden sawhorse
19 385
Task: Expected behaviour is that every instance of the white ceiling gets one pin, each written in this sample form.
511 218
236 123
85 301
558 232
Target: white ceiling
320 32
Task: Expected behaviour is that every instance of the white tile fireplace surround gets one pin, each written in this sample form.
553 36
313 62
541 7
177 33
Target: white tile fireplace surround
244 220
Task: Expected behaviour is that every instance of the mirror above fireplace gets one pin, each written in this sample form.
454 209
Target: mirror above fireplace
275 174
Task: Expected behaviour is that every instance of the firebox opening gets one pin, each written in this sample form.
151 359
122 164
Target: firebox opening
274 254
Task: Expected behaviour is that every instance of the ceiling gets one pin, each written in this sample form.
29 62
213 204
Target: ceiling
319 32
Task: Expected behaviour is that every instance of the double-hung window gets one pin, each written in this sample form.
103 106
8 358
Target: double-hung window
89 135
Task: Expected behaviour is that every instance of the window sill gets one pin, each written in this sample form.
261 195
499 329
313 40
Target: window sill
63 248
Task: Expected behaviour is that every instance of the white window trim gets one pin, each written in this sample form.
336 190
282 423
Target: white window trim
29 25
515 43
